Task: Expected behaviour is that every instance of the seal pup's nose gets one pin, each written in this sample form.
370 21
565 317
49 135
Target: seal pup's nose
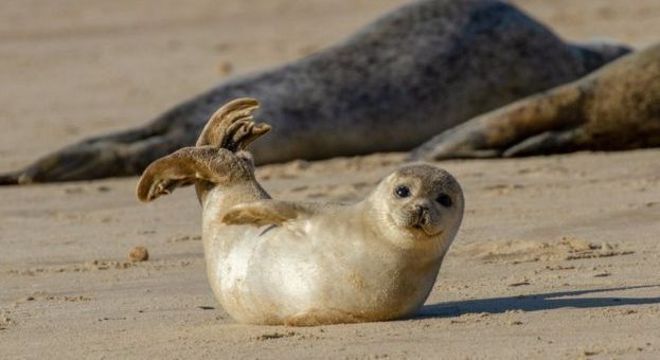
422 214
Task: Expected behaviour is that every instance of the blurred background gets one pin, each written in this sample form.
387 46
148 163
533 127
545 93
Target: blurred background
74 68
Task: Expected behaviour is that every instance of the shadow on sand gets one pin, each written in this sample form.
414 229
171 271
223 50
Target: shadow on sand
534 302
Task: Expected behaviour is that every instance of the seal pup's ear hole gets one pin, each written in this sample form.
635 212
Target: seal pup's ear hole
265 212
232 127
181 168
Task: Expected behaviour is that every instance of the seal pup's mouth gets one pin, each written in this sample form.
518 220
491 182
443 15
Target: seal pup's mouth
422 223
428 232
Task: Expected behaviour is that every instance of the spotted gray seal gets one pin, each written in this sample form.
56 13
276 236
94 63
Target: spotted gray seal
274 261
419 70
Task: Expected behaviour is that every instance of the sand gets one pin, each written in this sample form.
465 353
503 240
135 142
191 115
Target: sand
558 257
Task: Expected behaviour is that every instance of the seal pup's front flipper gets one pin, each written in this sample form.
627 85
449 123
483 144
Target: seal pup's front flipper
493 133
267 212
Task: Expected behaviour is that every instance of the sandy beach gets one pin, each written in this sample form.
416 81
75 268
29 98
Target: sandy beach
558 257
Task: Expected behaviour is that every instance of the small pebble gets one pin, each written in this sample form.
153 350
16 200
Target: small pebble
138 253
225 68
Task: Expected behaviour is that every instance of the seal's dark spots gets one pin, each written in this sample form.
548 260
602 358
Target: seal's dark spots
444 200
402 191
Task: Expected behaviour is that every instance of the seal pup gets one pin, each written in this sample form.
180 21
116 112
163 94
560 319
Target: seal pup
614 108
280 262
419 70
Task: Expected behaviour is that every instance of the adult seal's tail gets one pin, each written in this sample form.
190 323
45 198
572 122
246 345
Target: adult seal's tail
419 70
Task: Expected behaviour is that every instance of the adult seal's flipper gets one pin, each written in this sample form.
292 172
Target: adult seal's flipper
120 154
510 130
614 108
10 178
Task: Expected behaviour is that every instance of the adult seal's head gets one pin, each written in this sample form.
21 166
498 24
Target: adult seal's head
418 206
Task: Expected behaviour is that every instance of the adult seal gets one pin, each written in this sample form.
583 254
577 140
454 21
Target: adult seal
280 262
614 108
417 71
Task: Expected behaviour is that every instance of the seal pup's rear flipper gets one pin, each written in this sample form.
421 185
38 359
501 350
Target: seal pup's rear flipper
217 158
266 212
232 127
190 165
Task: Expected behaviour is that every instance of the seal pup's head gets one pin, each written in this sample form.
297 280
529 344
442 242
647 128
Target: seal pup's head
418 206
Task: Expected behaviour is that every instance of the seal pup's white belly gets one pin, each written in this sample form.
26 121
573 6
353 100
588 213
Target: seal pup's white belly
277 274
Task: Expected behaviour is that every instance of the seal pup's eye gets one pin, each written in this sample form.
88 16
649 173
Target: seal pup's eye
402 191
444 200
